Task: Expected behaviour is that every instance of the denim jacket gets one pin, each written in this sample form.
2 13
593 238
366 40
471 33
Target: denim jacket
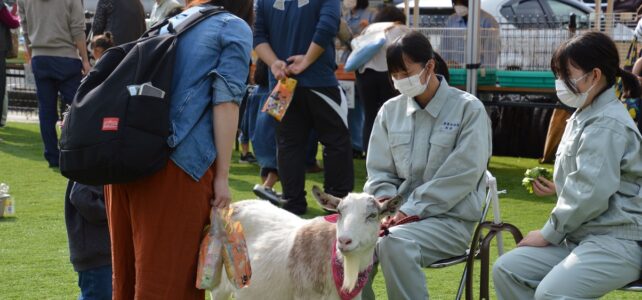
211 67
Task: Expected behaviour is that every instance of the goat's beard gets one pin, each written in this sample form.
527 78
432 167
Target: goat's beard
351 264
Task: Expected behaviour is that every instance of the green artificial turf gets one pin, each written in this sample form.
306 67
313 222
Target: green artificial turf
34 258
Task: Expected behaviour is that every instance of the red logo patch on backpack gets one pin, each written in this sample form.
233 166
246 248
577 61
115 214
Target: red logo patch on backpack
110 124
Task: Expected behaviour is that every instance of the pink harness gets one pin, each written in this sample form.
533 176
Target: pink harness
337 270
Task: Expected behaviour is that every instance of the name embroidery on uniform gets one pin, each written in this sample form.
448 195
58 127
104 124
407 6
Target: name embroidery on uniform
449 126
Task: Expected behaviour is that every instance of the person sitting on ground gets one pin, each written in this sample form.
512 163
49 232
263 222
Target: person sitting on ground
100 43
431 145
592 241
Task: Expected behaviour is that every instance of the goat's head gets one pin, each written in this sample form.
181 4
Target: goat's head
359 218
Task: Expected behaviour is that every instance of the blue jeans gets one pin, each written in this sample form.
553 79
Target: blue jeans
95 284
54 75
264 130
252 108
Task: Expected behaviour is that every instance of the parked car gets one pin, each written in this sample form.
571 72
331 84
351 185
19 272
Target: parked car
520 13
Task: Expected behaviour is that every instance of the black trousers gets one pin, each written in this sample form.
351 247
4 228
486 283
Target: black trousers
324 110
374 89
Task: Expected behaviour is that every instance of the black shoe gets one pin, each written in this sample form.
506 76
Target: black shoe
297 210
314 169
54 165
356 154
248 158
268 194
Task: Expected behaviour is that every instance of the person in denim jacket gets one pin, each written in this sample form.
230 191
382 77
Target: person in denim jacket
156 223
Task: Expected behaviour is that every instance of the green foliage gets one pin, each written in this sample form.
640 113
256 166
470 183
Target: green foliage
533 173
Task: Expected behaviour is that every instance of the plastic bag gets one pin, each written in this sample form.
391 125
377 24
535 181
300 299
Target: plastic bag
223 245
236 258
280 98
210 259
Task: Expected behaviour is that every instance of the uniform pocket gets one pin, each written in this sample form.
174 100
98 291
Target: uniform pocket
441 145
400 148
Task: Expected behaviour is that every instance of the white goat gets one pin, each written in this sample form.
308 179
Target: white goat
291 257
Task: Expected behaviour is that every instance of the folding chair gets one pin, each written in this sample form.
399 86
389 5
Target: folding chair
492 198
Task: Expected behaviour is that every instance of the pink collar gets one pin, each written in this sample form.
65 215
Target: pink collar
337 270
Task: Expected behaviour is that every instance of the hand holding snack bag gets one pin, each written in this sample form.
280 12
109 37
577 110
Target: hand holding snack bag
210 256
280 98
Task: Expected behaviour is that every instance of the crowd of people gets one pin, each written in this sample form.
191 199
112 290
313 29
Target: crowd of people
423 140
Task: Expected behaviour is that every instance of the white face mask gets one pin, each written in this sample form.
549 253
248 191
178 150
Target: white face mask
411 86
569 98
349 4
461 10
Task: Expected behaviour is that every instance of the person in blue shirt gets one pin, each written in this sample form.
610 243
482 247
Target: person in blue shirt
156 222
453 44
358 16
296 39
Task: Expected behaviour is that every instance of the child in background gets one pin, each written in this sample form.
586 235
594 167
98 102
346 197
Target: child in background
100 43
89 245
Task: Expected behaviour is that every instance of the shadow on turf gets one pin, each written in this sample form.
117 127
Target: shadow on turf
21 143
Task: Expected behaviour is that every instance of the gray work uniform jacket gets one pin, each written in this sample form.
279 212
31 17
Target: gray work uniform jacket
598 174
434 157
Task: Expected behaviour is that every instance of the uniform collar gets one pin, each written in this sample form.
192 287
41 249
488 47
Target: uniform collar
435 104
592 109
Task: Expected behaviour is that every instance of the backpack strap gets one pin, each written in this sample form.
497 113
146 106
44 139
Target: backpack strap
190 21
194 19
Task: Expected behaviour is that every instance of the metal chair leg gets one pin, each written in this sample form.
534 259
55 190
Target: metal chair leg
484 244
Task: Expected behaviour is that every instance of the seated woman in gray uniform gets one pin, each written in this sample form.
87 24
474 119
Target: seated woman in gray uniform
431 145
590 244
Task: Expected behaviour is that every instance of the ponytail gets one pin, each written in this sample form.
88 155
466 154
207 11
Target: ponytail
630 84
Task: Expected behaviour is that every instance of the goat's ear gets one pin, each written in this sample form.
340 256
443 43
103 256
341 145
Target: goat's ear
389 207
326 201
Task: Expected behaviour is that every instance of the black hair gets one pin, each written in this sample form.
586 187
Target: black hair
105 41
362 4
174 11
414 45
461 2
390 13
261 73
588 51
243 9
441 67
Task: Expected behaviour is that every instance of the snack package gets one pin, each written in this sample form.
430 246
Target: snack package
279 100
210 259
236 258
534 173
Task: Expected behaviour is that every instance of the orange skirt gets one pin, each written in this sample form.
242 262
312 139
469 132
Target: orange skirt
156 226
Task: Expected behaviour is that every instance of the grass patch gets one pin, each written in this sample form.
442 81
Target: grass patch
34 257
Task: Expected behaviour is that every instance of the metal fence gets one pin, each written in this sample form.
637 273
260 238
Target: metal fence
21 91
525 42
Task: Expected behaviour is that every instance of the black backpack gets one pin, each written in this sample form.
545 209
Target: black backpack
109 136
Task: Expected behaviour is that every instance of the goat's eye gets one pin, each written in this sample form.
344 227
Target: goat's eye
372 216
